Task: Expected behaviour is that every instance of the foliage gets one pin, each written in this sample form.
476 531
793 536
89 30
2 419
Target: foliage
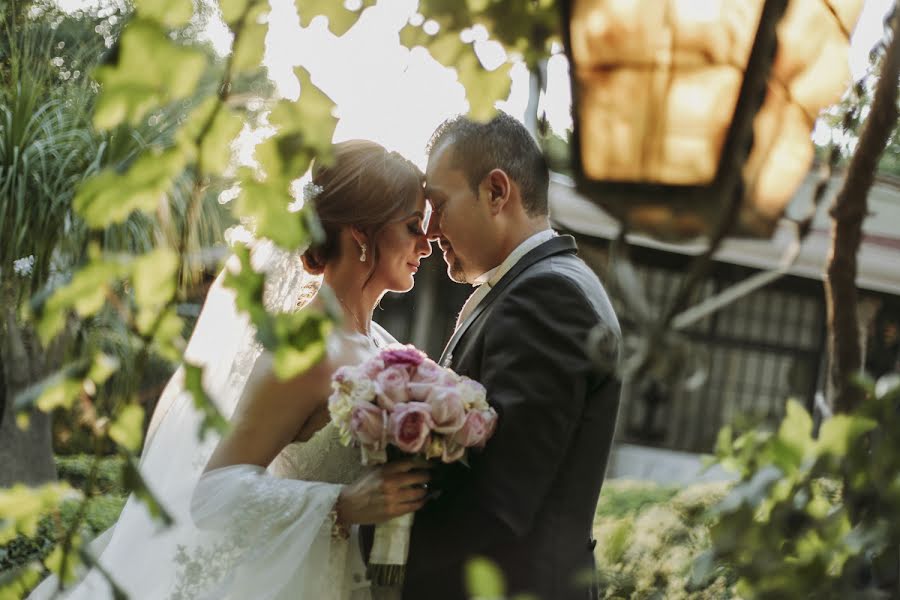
136 166
528 30
76 469
812 517
102 511
648 537
845 119
622 497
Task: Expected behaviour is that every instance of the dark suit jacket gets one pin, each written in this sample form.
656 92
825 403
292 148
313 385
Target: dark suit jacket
528 500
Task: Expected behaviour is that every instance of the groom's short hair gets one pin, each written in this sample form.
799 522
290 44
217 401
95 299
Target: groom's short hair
501 143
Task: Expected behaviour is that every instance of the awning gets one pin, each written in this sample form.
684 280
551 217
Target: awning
878 260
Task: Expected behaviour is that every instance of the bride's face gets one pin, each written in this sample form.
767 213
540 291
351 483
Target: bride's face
402 245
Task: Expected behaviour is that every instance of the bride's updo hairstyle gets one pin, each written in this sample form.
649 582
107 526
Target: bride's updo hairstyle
366 187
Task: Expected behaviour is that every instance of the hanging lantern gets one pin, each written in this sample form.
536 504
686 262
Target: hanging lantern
684 107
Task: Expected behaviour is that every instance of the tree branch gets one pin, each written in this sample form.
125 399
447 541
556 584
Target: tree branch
848 212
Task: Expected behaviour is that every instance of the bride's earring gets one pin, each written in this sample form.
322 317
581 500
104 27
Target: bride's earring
362 256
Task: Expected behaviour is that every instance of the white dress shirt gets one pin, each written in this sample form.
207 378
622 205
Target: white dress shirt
488 280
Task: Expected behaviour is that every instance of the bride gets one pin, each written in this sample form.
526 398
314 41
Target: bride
271 510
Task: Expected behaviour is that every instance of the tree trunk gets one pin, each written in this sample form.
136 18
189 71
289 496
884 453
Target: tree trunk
26 456
848 212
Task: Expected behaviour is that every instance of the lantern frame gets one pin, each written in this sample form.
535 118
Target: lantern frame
717 202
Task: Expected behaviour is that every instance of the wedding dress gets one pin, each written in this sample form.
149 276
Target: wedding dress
241 531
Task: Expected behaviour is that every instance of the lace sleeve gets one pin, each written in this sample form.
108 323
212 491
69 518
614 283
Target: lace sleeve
256 528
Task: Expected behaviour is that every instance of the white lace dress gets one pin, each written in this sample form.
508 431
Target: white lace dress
269 533
274 528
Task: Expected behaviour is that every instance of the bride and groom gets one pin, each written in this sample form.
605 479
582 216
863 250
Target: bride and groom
278 508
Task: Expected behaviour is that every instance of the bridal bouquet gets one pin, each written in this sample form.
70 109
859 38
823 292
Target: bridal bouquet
403 399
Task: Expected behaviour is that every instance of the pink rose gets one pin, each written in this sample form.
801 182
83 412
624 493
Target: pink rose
419 391
411 425
478 427
369 424
452 451
406 356
428 372
345 376
372 367
391 384
426 376
473 394
447 409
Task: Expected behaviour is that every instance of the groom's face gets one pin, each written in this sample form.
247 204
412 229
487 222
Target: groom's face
461 222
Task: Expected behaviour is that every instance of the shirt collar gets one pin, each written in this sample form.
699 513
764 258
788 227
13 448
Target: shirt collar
494 275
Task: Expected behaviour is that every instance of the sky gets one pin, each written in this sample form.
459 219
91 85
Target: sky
397 97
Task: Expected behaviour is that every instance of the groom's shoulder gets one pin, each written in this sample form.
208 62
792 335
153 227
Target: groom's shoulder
561 272
565 281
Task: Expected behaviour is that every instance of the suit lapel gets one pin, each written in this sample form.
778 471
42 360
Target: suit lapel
557 245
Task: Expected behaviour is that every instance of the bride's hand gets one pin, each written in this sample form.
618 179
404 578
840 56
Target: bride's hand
386 492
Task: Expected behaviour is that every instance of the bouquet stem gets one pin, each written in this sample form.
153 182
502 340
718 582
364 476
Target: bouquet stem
390 548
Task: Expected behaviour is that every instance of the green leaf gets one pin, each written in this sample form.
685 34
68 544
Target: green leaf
190 131
311 115
61 393
154 277
250 44
484 579
151 71
212 418
247 284
795 432
284 156
103 366
167 340
841 432
51 391
215 151
232 10
267 204
15 583
305 129
218 127
127 429
303 335
85 293
448 49
339 18
110 197
751 493
66 572
412 36
483 88
22 507
169 13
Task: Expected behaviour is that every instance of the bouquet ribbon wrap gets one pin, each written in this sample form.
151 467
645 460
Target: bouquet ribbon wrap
390 548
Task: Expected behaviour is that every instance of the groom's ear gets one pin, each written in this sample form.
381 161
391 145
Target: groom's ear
498 188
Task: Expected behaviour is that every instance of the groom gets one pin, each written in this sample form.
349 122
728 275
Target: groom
527 502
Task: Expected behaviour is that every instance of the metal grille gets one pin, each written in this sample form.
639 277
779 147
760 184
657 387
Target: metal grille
759 351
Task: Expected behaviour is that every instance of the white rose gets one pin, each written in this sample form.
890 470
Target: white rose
473 395
364 390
